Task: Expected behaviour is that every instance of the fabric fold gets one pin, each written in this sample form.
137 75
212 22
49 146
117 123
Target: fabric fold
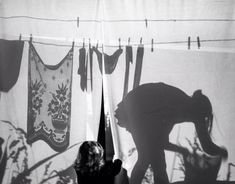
91 66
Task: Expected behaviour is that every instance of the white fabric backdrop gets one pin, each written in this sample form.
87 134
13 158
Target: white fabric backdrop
213 57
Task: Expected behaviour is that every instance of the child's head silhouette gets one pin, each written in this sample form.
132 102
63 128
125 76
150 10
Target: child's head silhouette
90 157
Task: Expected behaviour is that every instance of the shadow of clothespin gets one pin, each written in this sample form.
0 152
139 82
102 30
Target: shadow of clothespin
152 45
73 44
198 42
141 41
31 38
189 43
146 23
119 40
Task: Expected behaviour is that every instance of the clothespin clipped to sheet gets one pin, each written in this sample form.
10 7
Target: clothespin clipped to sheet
146 23
152 42
97 44
78 22
83 44
73 44
198 42
119 43
189 43
20 37
31 38
129 40
89 43
141 41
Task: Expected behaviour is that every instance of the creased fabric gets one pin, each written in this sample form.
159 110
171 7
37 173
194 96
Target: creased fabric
91 66
10 62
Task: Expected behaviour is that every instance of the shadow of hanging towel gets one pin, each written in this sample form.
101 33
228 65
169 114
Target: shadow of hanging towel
109 60
10 61
82 70
138 66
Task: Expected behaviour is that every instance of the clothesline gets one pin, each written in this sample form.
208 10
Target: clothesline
120 20
84 44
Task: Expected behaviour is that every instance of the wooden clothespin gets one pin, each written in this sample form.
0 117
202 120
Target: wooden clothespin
83 44
152 45
20 37
189 43
198 42
146 23
78 22
97 44
89 43
129 40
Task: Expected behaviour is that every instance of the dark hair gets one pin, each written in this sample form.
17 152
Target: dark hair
90 158
204 108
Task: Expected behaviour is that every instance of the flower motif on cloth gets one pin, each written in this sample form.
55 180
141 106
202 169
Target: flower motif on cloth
59 108
49 100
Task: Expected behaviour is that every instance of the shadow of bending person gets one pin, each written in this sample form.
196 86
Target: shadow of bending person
150 111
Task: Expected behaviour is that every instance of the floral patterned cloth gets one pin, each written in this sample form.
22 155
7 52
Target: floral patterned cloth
49 100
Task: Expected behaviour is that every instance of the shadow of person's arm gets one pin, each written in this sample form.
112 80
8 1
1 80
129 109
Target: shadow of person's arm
175 148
